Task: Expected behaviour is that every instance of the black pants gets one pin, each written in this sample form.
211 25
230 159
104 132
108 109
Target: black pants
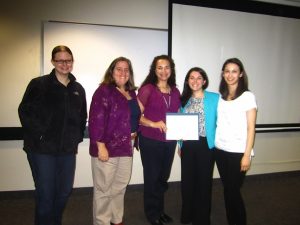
197 164
157 158
229 166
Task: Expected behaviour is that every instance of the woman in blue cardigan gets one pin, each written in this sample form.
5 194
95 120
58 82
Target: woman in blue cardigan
197 160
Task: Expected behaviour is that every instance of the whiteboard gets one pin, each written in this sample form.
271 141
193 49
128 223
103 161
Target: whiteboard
268 46
94 47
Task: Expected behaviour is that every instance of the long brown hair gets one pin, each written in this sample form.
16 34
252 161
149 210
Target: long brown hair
108 76
242 83
152 78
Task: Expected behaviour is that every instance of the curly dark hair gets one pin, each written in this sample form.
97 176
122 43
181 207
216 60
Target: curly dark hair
152 78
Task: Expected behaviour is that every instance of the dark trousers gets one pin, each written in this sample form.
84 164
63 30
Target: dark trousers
53 178
197 164
229 167
157 158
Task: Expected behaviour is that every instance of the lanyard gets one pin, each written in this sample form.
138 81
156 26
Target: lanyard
168 103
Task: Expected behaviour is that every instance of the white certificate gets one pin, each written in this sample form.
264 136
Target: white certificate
182 126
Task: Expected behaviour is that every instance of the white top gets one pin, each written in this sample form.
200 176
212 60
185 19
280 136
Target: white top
231 133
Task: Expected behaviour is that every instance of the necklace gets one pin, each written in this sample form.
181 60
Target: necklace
165 91
168 103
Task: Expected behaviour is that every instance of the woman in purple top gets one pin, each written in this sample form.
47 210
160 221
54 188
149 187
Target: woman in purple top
157 96
113 122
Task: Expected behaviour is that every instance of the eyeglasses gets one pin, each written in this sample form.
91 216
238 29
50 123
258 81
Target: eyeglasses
61 62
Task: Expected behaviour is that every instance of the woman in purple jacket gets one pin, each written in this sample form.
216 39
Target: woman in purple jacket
113 122
157 96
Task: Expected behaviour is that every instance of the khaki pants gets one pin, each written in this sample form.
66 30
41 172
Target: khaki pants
110 181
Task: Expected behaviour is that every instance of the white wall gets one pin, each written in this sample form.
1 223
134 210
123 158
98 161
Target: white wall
274 152
20 61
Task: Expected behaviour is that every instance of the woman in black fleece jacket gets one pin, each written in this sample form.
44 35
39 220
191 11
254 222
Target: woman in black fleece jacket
53 115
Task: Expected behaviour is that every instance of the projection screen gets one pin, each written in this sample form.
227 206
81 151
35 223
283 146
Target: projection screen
268 45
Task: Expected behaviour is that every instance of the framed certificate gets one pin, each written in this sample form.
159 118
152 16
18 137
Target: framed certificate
182 126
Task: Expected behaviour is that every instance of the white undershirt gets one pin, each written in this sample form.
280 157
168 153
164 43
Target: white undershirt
231 133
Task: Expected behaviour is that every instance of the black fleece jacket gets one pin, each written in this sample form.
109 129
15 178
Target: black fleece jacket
53 116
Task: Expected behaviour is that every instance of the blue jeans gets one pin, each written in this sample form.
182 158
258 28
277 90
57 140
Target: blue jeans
53 177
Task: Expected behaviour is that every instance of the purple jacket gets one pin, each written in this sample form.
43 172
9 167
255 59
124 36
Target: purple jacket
109 121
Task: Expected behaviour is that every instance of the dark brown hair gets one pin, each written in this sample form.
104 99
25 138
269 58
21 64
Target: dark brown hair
152 78
187 91
242 83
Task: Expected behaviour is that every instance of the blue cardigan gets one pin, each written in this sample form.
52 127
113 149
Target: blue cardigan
211 101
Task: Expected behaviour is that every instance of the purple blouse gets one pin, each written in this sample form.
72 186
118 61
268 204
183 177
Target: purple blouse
156 105
109 121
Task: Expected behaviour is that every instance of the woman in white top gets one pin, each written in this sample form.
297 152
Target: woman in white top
234 136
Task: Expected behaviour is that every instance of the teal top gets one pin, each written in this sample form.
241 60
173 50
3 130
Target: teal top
211 101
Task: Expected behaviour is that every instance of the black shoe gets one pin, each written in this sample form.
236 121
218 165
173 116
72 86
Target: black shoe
165 218
157 222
